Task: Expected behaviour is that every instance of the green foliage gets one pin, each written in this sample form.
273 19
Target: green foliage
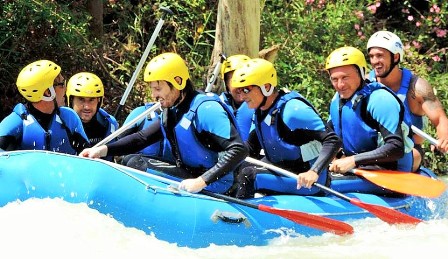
31 30
307 32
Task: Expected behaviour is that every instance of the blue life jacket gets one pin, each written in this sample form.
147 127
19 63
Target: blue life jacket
277 150
161 149
32 136
357 129
193 153
243 116
408 79
108 121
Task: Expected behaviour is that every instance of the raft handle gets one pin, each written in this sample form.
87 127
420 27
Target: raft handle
230 217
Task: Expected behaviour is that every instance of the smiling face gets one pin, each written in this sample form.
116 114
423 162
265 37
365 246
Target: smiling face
345 80
163 93
381 61
86 107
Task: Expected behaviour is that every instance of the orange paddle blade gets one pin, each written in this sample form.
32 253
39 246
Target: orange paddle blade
407 183
388 215
310 220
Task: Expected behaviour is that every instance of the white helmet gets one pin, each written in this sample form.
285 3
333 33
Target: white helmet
386 40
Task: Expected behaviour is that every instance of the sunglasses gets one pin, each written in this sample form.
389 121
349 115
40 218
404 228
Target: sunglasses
60 84
246 90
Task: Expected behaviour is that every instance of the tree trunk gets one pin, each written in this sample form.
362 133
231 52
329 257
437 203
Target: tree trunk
237 31
95 8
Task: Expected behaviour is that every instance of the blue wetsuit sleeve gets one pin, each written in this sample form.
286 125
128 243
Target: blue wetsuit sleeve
12 125
298 115
212 117
384 108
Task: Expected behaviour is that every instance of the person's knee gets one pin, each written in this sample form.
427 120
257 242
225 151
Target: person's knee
245 179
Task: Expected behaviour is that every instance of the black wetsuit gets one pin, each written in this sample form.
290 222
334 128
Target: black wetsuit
231 150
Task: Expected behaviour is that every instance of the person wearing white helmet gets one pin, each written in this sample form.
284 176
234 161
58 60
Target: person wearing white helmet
201 130
85 94
385 51
39 123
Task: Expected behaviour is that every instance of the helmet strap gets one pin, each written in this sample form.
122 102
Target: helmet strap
265 92
226 78
265 98
56 106
51 97
392 65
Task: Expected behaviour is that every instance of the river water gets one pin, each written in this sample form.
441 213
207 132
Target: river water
53 228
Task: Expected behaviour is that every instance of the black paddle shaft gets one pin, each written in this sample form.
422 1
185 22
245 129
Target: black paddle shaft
230 199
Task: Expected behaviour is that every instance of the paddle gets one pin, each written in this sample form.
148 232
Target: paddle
128 125
306 219
215 74
154 35
309 220
404 182
424 135
408 183
388 215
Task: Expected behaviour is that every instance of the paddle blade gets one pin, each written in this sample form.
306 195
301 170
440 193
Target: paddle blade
313 221
388 215
407 183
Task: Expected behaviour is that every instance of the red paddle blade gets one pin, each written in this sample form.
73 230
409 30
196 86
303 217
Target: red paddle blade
388 215
325 224
407 183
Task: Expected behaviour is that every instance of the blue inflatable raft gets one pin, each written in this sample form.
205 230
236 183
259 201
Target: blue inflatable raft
149 203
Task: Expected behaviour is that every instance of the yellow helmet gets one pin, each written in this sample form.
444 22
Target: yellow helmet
256 71
84 84
36 78
233 62
347 56
167 67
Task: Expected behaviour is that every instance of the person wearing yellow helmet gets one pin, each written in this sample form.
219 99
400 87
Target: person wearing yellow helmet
201 130
385 51
85 94
369 118
288 129
40 124
233 98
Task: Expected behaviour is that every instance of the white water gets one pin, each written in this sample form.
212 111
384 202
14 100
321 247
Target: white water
52 228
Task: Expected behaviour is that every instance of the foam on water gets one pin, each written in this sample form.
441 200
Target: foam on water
53 228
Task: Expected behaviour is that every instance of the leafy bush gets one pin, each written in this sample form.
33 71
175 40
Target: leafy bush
306 30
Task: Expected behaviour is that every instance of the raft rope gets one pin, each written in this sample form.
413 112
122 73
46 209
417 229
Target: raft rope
169 189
